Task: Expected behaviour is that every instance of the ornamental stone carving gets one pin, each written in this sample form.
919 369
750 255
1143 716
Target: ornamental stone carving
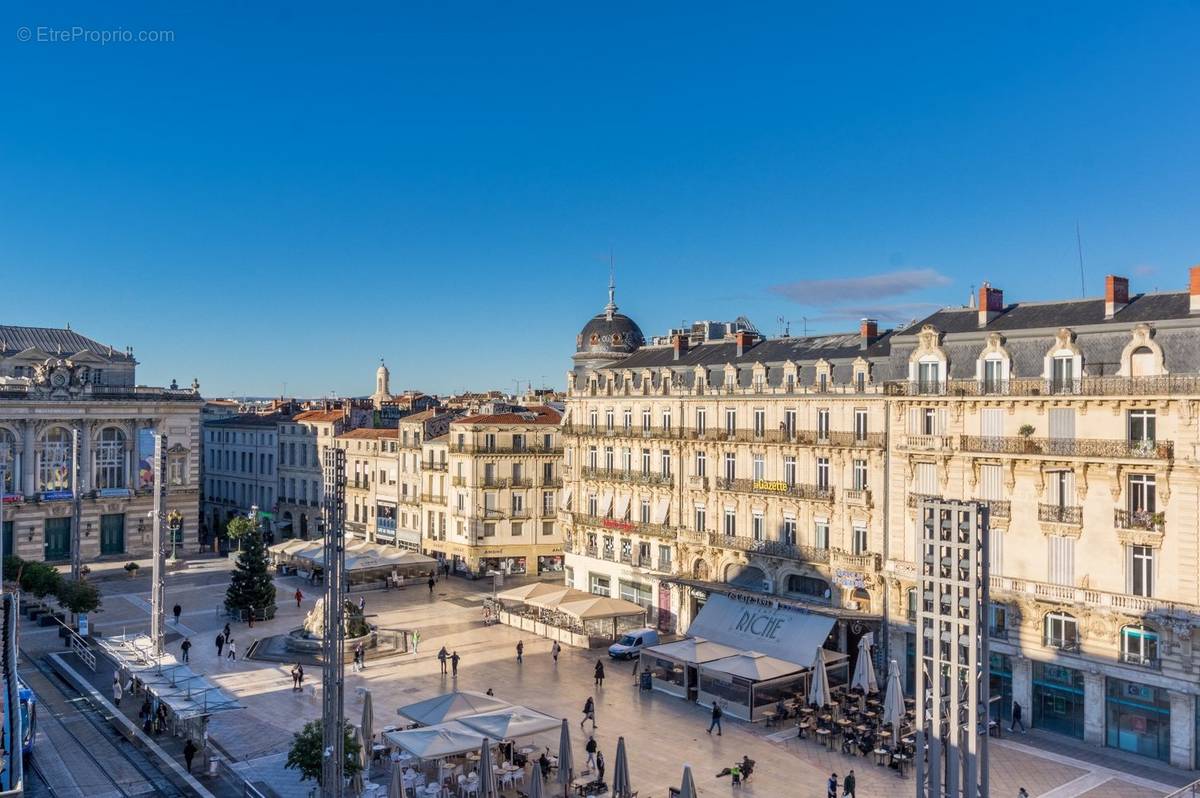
59 378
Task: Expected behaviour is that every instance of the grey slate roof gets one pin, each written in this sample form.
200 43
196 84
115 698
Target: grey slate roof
1071 313
715 355
51 339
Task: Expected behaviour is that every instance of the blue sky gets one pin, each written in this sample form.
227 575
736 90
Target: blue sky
283 194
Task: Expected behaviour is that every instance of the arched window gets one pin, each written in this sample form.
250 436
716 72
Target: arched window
54 460
10 463
1139 645
1061 631
110 459
1143 362
808 586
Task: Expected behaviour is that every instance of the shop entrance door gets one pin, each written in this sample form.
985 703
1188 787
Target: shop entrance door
58 539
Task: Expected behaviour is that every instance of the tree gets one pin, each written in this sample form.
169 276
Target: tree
308 748
251 588
79 596
40 579
239 529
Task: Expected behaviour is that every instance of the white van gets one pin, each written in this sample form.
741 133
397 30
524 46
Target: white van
631 643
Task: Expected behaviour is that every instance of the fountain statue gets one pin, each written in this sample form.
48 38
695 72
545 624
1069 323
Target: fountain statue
312 631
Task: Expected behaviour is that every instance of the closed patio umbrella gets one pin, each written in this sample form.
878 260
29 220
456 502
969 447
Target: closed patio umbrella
621 788
364 758
356 784
566 767
893 702
368 730
818 692
687 788
487 779
864 669
396 786
535 783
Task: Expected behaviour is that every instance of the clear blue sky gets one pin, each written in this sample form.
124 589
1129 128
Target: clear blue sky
286 192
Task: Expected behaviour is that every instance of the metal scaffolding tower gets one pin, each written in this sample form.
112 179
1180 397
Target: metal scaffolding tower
77 489
158 575
333 647
952 673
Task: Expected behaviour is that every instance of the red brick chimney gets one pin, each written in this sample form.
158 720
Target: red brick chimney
745 340
1194 289
1116 294
868 332
680 343
991 303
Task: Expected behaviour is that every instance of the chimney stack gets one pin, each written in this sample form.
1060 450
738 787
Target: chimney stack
991 303
1116 294
745 339
680 342
1194 289
868 332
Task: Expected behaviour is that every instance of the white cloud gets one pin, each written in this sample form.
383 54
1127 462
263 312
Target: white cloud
883 285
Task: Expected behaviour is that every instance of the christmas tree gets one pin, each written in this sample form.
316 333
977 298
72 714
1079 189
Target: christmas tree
251 588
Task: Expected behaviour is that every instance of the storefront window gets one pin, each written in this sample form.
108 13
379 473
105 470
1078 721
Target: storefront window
665 670
1138 719
1058 699
736 690
637 592
550 564
505 565
1000 686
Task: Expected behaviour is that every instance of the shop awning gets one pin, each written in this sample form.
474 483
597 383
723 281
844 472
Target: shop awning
691 649
549 601
594 608
786 634
186 693
450 706
510 723
622 506
436 742
753 666
661 509
606 500
288 547
531 590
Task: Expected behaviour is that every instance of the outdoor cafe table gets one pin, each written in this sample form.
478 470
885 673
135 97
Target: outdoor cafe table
825 737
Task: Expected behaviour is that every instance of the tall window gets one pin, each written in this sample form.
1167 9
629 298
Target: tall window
608 419
1141 427
700 519
823 473
789 422
1141 570
645 461
788 531
547 502
644 513
789 470
821 533
627 459
54 460
608 458
860 424
110 459
929 424
665 462
758 526
1061 560
730 521
1142 498
929 378
666 421
730 420
993 375
1062 374
760 468
627 419
592 416
646 421
823 424
760 423
860 539
860 474
1139 645
730 466
701 420
1061 631
701 463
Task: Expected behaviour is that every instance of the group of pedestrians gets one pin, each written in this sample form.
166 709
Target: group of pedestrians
444 656
848 785
226 642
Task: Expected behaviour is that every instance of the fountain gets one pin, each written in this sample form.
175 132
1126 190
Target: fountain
307 639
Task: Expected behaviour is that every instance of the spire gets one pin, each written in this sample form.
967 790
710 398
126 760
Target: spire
611 307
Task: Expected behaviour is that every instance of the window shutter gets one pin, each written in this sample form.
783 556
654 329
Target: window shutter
943 416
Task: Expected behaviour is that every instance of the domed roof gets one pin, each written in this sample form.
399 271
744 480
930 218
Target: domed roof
609 332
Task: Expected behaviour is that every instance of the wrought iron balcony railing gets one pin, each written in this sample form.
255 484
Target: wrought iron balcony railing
1060 514
1068 447
769 548
1169 385
776 488
1145 520
632 477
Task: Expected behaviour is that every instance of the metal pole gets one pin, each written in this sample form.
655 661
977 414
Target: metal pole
3 496
76 506
158 622
333 646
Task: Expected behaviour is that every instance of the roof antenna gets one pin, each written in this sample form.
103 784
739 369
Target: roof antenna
1079 247
611 307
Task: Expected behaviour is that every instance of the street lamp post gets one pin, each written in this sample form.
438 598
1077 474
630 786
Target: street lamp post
175 524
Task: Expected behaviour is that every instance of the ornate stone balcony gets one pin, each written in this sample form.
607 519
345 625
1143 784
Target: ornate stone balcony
630 477
859 497
481 449
766 487
614 526
767 548
1002 586
926 443
867 563
1068 447
1169 385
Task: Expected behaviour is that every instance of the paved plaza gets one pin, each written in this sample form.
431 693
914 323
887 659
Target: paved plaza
662 733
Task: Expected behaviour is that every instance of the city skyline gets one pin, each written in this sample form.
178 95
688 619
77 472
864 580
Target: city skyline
253 219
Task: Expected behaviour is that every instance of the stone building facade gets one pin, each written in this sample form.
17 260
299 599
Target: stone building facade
70 404
717 461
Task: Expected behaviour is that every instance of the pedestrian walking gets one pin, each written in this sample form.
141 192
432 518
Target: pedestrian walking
831 787
416 640
185 649
299 598
118 691
589 713
232 653
554 649
599 673
250 617
599 766
520 651
362 604
177 610
716 719
220 641
848 785
226 632
189 753
591 752
431 584
298 677
454 658
1022 793
1016 718
359 663
443 655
